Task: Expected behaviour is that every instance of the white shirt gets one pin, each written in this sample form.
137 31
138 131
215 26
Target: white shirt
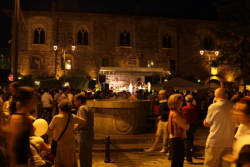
82 112
46 100
239 143
37 141
242 130
219 117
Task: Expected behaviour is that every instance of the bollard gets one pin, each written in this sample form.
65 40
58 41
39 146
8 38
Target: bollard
107 149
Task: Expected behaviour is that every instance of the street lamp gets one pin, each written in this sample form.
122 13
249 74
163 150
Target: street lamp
73 48
212 54
202 52
66 64
55 48
150 63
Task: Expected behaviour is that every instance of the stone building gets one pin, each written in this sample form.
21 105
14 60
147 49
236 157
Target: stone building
163 45
4 65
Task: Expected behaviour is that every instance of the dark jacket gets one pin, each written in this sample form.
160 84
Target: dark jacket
164 110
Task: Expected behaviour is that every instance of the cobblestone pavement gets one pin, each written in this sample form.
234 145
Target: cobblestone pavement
152 159
139 159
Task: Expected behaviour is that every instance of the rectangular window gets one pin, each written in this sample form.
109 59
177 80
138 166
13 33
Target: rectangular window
105 62
172 65
132 61
125 38
35 63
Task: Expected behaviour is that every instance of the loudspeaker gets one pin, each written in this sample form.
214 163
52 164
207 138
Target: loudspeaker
105 87
102 78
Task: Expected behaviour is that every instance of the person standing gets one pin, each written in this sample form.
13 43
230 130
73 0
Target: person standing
162 126
70 96
177 127
64 94
65 151
13 86
20 127
241 115
86 133
221 133
191 115
47 102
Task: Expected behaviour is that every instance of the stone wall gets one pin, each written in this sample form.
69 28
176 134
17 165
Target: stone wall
104 30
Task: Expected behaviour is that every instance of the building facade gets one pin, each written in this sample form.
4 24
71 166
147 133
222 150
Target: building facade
4 65
112 40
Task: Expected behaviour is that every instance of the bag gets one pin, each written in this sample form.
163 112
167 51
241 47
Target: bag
54 142
48 164
53 147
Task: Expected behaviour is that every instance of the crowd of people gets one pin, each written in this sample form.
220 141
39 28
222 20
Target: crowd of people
70 124
21 147
178 120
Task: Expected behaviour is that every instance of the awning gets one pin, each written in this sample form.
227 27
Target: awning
132 70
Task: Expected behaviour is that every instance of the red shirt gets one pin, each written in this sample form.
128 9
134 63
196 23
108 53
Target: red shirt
190 113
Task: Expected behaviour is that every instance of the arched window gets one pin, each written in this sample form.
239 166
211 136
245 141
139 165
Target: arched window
125 39
82 37
121 39
39 36
42 36
208 43
166 41
172 65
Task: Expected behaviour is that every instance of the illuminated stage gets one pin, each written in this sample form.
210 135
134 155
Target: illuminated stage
119 78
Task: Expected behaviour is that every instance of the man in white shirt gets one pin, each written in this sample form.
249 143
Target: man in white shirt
47 101
221 134
85 136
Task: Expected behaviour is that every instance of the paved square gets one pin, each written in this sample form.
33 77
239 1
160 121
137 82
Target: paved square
139 159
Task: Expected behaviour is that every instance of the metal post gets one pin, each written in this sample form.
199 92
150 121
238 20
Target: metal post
56 52
64 63
56 41
107 149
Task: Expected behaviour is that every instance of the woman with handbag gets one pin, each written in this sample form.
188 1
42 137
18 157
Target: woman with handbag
62 126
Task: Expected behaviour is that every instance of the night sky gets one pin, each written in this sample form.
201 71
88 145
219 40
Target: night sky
195 9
